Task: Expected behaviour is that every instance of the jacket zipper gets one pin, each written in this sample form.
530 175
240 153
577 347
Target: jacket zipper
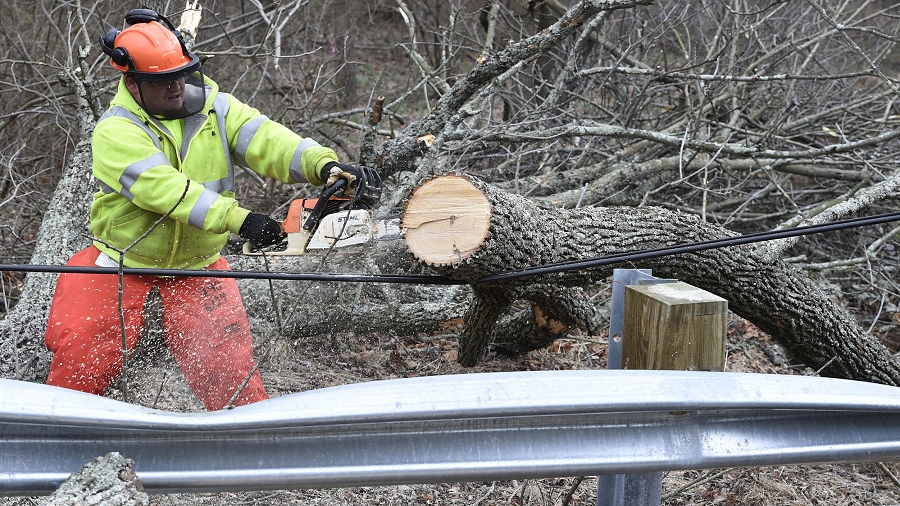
177 233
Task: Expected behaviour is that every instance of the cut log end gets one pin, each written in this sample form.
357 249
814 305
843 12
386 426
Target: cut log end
446 220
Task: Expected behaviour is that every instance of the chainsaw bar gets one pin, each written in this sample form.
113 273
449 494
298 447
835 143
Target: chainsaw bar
337 228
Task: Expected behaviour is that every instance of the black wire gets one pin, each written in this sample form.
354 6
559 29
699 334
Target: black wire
632 256
679 249
285 276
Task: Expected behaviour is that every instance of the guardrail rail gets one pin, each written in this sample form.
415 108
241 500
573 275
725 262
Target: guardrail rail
470 427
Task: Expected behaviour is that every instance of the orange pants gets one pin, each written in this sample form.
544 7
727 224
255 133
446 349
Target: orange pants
204 325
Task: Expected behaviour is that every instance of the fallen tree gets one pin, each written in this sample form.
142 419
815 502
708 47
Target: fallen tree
704 118
467 230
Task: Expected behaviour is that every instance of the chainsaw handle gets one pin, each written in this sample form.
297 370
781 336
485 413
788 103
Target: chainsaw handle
316 214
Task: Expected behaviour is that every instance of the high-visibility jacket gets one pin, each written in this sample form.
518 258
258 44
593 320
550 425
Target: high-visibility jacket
184 170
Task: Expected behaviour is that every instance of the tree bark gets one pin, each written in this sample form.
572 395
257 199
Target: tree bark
64 230
778 298
107 480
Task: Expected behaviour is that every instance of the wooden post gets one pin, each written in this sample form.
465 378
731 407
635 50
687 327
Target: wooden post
673 326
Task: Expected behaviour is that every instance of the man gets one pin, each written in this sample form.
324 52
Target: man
163 156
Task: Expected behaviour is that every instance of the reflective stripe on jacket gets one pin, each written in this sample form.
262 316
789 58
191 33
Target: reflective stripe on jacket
147 171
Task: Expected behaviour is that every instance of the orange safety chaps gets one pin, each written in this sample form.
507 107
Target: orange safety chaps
204 325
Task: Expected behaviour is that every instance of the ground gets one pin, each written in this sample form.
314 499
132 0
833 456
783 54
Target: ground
290 367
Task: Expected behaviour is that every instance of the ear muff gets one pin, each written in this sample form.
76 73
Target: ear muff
119 55
145 15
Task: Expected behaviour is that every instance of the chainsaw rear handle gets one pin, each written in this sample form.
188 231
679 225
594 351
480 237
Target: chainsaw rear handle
316 214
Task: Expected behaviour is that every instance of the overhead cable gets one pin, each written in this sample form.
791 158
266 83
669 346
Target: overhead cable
630 256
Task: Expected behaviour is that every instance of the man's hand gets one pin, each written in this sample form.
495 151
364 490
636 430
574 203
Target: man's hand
261 230
363 183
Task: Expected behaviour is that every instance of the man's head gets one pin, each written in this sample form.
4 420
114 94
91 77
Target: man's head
160 73
163 98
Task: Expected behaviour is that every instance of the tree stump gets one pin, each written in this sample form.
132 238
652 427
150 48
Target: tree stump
107 480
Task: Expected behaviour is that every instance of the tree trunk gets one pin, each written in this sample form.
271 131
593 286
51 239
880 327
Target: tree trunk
64 230
513 233
107 480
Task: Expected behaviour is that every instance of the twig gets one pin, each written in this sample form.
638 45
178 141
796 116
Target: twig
826 365
571 492
699 481
278 318
123 375
887 472
586 340
367 134
485 496
275 25
581 197
160 390
843 206
591 128
720 77
878 314
491 28
843 31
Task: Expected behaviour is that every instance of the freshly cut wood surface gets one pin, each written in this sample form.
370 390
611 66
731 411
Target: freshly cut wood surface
445 220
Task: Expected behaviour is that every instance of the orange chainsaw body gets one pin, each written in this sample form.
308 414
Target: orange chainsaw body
300 209
336 228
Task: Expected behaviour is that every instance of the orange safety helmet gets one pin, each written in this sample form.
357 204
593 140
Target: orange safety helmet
148 51
150 48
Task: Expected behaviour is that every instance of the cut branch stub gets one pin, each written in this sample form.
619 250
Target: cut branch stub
446 220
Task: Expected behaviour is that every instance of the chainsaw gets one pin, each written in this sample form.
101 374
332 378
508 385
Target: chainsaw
331 221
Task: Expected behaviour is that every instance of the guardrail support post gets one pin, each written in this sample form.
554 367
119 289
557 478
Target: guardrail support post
659 324
673 326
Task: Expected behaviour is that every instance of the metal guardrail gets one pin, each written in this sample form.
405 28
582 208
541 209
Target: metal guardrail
471 427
